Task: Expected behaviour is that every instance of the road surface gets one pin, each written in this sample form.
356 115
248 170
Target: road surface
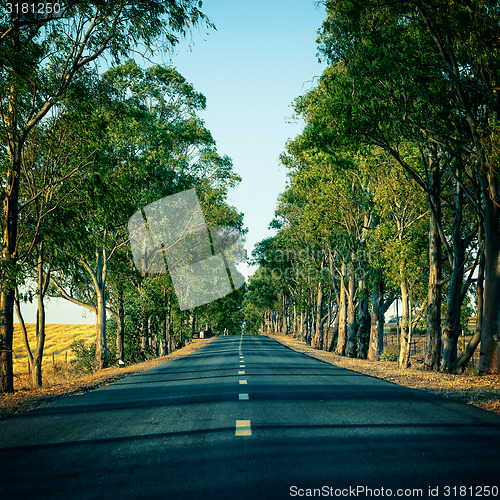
247 418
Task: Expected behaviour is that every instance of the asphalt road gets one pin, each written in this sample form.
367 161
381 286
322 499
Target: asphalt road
247 418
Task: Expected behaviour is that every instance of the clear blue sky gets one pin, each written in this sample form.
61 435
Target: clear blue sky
261 57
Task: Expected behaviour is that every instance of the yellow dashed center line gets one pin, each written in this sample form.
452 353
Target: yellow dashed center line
243 428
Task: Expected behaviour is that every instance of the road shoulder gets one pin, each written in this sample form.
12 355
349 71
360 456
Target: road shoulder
26 400
483 392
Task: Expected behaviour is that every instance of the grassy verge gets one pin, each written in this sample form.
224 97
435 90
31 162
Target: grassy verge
26 399
483 392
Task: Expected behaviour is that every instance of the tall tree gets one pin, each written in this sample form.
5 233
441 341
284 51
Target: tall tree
39 59
415 66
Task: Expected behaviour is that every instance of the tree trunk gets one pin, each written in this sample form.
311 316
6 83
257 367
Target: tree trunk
193 325
333 336
490 335
302 325
101 347
29 354
170 334
342 336
120 330
462 361
364 323
404 352
377 321
101 353
8 268
453 327
284 326
145 333
295 323
433 350
164 336
36 371
43 283
317 340
327 340
351 319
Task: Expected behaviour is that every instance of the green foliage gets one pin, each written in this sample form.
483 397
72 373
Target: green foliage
97 148
400 129
390 352
84 361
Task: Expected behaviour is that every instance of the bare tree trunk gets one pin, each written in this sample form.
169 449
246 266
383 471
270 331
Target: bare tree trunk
164 335
490 335
351 319
364 322
101 347
377 321
6 339
295 323
8 268
404 352
25 334
317 339
120 329
333 336
100 282
453 327
462 361
302 325
170 333
193 325
284 319
43 283
342 336
433 350
327 335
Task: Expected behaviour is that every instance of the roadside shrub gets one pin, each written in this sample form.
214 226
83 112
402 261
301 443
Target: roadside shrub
390 353
84 362
138 355
57 370
471 369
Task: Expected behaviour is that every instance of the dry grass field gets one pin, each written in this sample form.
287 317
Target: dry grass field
60 385
57 351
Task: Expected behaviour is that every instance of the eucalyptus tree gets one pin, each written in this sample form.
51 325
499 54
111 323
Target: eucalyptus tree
466 39
153 145
338 189
58 151
411 71
266 285
102 198
340 120
401 238
261 298
40 55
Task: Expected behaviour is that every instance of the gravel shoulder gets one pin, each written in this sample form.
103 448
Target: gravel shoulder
482 391
29 399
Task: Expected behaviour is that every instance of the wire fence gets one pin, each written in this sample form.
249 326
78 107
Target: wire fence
419 341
